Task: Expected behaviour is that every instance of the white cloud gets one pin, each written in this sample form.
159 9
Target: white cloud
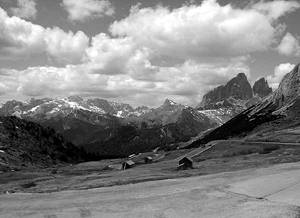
276 9
25 9
279 72
185 83
66 47
108 55
289 45
206 30
19 37
80 10
152 54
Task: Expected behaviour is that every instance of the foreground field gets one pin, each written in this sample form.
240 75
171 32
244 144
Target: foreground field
264 192
225 156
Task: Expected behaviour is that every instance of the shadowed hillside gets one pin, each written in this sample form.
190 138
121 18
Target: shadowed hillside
25 143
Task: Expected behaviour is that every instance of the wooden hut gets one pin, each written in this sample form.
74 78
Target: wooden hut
148 159
185 163
127 164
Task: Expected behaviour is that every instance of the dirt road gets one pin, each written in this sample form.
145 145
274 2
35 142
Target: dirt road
234 194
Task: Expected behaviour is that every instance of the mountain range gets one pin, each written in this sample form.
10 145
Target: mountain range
112 129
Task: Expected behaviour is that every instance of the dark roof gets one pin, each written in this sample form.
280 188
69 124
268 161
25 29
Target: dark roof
129 162
185 159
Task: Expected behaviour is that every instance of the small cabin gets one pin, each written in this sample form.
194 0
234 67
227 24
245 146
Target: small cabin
185 163
127 164
148 160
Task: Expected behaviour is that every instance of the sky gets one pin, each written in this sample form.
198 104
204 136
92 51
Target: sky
142 51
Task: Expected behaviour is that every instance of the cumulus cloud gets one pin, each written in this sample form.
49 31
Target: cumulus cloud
185 83
80 10
25 9
279 72
289 45
108 55
206 30
65 47
152 54
276 9
19 37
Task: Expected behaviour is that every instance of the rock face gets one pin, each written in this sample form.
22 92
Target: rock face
226 101
280 110
261 88
237 88
289 88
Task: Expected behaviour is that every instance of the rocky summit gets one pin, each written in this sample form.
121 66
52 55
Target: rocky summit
226 101
237 88
277 112
261 88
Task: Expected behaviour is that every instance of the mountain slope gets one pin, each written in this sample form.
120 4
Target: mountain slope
24 143
280 110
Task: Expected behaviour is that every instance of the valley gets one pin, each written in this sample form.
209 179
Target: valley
229 133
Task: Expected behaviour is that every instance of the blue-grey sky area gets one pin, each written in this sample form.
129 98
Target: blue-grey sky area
142 51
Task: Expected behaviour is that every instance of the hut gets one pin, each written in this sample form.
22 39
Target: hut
148 160
185 163
127 164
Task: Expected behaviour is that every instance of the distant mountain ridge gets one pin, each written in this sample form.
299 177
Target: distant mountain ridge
109 128
48 107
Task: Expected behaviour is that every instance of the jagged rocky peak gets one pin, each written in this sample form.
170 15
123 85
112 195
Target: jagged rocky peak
170 105
75 98
261 88
281 110
101 103
237 88
168 102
